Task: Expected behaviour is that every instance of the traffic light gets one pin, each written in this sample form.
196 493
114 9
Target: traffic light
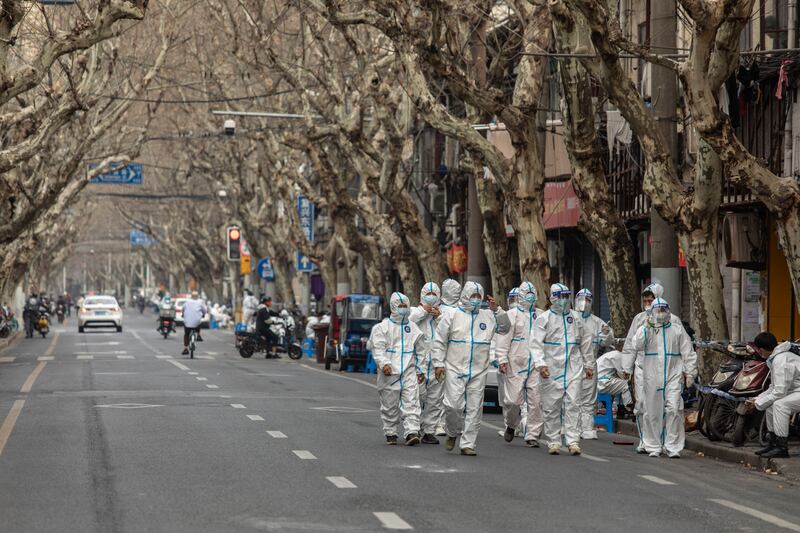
234 243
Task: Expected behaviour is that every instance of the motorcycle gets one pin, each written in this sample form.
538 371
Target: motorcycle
732 419
249 343
166 325
8 323
41 322
60 312
738 353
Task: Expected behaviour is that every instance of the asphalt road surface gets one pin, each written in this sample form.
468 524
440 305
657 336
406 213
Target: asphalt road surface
110 432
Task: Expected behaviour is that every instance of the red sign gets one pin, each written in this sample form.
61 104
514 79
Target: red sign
561 206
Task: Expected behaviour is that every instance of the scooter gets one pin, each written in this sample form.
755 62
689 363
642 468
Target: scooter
249 343
42 322
60 313
738 353
166 325
732 419
7 321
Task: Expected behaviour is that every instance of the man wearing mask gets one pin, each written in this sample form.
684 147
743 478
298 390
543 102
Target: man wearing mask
461 357
782 398
602 336
249 307
426 317
395 342
451 292
520 380
561 351
666 361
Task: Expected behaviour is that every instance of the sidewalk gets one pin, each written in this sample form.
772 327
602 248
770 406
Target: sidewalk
8 341
725 451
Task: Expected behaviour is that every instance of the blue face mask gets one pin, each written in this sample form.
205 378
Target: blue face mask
402 311
475 303
430 299
530 298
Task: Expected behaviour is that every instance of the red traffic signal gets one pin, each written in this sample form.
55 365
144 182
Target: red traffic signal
234 243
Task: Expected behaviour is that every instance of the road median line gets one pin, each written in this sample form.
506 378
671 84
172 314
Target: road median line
8 423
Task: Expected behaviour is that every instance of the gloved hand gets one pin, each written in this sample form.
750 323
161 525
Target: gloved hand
420 378
688 380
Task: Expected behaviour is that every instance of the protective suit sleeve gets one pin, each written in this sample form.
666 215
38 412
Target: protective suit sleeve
536 343
417 314
439 345
421 354
378 340
587 345
777 389
628 349
689 356
503 322
502 345
636 347
606 340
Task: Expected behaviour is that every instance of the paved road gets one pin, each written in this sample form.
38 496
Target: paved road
113 432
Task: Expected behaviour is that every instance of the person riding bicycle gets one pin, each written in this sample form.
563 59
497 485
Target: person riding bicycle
193 312
264 314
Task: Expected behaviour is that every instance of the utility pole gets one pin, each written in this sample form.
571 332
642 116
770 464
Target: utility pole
664 94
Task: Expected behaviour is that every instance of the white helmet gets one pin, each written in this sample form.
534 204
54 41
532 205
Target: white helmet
560 298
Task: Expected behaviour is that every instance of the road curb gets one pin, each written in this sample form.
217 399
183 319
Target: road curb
10 340
743 456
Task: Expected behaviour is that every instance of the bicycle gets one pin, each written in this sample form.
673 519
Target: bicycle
192 343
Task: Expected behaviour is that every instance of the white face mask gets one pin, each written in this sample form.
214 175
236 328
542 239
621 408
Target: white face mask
583 305
402 311
430 299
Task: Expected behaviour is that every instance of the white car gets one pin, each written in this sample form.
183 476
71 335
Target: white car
99 311
204 323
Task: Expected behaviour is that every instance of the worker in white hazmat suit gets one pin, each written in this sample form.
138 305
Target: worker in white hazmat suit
562 353
667 361
426 317
395 342
602 336
451 293
519 379
612 379
782 398
461 355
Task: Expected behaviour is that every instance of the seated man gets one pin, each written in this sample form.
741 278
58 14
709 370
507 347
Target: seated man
264 314
612 379
782 398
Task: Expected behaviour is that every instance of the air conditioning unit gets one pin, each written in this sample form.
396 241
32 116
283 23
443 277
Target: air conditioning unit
744 241
643 244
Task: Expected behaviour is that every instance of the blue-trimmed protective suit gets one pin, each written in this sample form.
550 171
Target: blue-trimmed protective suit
431 389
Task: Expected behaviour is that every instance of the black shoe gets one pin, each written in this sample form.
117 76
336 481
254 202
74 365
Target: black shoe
412 439
508 436
199 338
391 440
770 444
621 412
185 351
429 439
780 450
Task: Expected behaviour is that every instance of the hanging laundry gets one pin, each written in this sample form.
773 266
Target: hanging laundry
617 130
783 78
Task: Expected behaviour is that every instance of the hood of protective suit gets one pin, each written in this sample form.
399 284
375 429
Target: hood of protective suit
583 302
656 288
451 291
396 313
429 287
526 296
465 302
560 298
659 314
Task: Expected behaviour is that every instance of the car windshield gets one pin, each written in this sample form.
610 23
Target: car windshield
100 301
365 310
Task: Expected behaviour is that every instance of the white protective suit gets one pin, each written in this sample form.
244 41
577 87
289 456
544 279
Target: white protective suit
560 343
665 359
249 307
461 347
782 398
594 326
609 376
430 390
396 341
520 381
451 293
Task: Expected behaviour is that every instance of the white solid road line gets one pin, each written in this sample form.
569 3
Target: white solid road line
198 378
657 480
85 357
276 434
341 482
7 359
774 520
163 357
176 363
238 406
255 417
304 454
203 357
392 521
212 386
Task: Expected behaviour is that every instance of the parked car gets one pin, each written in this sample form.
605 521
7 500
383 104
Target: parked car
99 311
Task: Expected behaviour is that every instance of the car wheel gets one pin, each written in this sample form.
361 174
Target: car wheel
80 329
119 329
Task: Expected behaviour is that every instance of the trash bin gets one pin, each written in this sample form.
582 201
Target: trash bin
321 336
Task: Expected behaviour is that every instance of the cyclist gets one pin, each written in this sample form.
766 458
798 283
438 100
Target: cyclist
193 312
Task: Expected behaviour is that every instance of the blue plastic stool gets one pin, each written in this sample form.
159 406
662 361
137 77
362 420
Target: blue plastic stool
370 367
308 348
607 419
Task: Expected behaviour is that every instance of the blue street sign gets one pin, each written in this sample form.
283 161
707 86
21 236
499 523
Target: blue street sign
265 270
140 238
305 210
130 174
304 264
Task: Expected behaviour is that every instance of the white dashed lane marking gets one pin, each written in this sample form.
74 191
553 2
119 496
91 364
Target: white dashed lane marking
276 434
656 480
593 458
212 386
176 363
255 418
392 521
771 519
85 357
304 454
193 373
125 357
7 359
46 358
201 379
341 482
238 406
